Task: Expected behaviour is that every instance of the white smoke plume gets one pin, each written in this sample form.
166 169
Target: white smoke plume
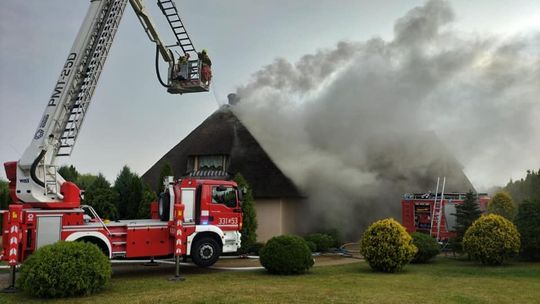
358 125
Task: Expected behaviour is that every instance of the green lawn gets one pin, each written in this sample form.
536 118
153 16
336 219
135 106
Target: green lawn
444 281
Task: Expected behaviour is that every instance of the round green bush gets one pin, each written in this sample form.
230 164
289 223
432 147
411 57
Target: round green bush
427 246
65 269
322 241
491 239
286 254
386 246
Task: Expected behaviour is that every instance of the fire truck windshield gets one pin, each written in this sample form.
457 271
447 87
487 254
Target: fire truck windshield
224 195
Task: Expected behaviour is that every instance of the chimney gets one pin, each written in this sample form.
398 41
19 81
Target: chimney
233 99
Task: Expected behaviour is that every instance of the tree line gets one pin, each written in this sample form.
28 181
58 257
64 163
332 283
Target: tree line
525 189
127 198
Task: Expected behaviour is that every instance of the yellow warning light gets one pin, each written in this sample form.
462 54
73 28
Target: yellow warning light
179 213
14 215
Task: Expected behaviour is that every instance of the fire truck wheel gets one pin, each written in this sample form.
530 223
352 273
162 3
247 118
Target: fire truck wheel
205 252
164 206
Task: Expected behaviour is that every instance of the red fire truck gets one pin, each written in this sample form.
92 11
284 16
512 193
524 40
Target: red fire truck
194 217
208 210
432 213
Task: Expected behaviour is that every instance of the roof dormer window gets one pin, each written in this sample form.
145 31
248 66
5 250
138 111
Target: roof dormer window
208 162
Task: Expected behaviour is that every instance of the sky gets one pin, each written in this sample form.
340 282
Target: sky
132 119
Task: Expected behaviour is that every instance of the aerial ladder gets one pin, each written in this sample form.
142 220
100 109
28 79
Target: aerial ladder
34 180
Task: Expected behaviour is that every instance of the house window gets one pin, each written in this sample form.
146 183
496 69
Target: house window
211 162
207 162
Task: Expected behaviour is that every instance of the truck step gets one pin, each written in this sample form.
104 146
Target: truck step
119 254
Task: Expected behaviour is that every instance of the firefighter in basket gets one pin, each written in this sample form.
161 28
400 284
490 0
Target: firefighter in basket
206 67
182 68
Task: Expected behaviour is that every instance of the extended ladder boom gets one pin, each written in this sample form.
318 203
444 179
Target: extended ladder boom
63 117
36 178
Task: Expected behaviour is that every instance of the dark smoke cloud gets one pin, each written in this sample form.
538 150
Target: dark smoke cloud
359 125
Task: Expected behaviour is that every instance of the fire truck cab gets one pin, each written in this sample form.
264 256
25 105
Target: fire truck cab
212 216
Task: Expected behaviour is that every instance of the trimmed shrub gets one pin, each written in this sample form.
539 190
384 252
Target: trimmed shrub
386 246
427 246
491 239
502 204
322 241
286 254
528 225
65 269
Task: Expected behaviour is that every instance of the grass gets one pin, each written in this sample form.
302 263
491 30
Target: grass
444 281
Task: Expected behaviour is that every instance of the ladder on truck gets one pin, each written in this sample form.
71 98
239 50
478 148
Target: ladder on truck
194 66
83 89
436 214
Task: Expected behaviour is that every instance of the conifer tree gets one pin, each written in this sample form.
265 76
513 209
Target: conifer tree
135 197
102 197
166 170
249 223
528 224
125 187
466 214
5 199
148 197
70 174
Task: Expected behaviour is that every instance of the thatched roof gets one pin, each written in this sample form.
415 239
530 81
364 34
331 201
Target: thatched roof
223 134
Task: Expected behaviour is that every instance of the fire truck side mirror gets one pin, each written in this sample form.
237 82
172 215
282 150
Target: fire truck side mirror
240 196
168 180
241 193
